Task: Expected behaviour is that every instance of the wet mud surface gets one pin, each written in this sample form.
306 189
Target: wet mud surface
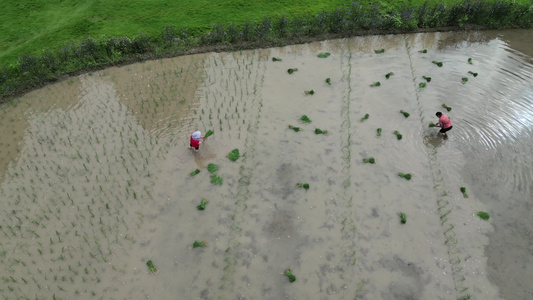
96 175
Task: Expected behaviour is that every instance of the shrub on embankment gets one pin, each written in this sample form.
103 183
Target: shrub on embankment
35 70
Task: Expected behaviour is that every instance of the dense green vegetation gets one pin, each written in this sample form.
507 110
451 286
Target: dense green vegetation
42 40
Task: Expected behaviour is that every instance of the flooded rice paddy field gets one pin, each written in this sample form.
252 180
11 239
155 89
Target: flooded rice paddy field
96 177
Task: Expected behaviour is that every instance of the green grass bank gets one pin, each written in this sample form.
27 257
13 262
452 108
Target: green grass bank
45 40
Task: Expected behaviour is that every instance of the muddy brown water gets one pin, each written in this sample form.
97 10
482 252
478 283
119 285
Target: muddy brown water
96 175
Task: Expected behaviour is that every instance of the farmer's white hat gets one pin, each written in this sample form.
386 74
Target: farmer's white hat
196 135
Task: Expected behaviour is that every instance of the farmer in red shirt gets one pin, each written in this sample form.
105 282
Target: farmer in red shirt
444 123
196 140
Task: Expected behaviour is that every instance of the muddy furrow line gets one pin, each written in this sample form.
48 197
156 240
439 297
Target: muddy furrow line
444 208
347 223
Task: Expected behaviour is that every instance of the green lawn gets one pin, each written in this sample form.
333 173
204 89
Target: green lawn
42 40
33 25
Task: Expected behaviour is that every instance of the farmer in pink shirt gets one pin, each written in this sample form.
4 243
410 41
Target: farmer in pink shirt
444 123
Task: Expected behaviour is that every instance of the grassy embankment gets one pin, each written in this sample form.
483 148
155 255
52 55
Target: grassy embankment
44 40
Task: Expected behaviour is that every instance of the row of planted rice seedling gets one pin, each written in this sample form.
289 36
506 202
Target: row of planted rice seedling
227 104
161 94
72 203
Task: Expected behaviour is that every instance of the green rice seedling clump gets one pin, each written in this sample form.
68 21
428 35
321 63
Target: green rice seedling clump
303 185
423 51
233 155
403 218
276 59
428 79
405 114
294 128
388 75
470 60
398 134
310 92
290 71
431 125
305 119
289 274
447 107
369 160
197 244
328 81
151 267
472 73
209 133
320 131
438 63
464 80
193 173
216 179
212 168
379 51
463 190
405 175
365 117
377 83
202 204
422 85
379 131
324 55
483 215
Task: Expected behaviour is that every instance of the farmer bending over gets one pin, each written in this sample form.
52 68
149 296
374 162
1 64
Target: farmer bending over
444 123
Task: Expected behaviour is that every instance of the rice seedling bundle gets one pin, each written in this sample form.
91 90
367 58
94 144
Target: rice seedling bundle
423 51
403 218
305 119
216 179
233 155
379 131
320 131
369 160
428 79
422 85
276 59
209 133
324 55
310 92
464 80
193 173
212 167
447 107
405 114
303 185
398 134
483 215
438 63
294 128
376 84
388 75
328 81
405 175
463 190
197 244
290 71
151 267
365 117
472 73
379 51
289 275
202 204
